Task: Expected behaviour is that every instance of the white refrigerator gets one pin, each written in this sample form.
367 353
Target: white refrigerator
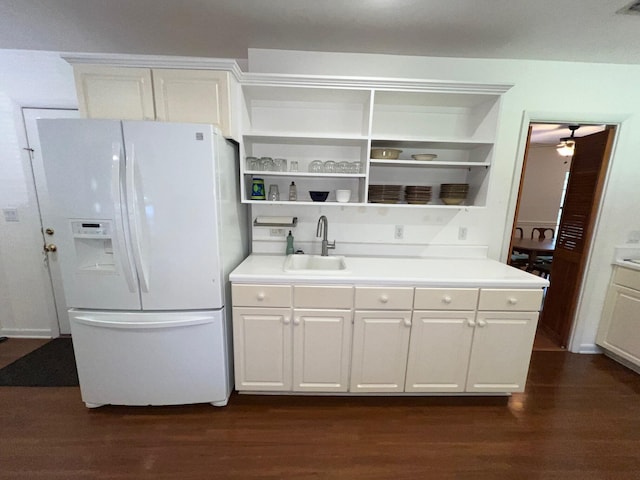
147 224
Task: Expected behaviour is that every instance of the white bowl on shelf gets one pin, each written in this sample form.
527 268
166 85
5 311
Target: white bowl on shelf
385 153
424 156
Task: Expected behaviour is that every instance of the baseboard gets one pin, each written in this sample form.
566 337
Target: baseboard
27 333
589 348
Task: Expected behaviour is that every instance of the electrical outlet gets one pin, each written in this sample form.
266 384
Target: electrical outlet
10 214
277 232
462 233
399 232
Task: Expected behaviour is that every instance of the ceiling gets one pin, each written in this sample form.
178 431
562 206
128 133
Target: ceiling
551 133
564 30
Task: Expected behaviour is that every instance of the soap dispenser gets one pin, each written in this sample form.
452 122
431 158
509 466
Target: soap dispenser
290 244
293 192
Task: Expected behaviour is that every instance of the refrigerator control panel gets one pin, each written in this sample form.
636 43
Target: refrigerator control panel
98 228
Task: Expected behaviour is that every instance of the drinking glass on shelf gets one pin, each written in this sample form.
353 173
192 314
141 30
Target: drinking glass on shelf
293 166
274 193
329 166
280 164
316 167
342 167
266 164
252 163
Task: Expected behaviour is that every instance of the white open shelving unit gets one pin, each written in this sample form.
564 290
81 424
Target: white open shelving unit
312 118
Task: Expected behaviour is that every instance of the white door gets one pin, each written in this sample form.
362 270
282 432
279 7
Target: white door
501 350
172 203
262 348
380 346
439 351
321 350
83 166
59 316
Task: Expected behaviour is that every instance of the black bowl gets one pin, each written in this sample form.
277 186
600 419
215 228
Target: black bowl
318 196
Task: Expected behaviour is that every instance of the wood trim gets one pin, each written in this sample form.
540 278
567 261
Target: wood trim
523 170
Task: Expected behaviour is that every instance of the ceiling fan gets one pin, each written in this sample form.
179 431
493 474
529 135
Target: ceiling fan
567 145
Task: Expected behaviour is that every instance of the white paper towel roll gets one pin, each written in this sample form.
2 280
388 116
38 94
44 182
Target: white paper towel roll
274 220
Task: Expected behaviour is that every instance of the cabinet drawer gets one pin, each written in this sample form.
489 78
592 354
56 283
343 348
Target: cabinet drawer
500 299
261 295
445 299
314 296
627 278
384 298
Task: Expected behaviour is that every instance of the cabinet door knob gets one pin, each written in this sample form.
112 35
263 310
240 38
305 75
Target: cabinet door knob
512 301
471 323
286 320
296 320
482 323
260 296
384 298
446 299
407 322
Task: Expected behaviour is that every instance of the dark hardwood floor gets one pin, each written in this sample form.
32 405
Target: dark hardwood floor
578 419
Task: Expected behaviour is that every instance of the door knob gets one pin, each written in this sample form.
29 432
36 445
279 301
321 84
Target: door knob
50 247
49 231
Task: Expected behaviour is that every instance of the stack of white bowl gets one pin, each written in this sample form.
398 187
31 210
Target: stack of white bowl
385 193
453 193
417 194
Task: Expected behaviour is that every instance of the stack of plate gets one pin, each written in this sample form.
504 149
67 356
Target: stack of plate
385 193
453 193
417 194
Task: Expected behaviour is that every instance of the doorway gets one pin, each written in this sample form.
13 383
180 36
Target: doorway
561 194
30 116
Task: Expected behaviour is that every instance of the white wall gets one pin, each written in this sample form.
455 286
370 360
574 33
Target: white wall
39 79
549 91
542 188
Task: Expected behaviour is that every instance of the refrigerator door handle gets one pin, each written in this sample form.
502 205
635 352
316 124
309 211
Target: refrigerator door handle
135 194
119 238
94 322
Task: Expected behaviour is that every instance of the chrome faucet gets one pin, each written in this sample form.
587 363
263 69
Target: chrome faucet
323 226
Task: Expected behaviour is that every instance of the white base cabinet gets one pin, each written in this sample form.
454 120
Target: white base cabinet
383 339
620 325
380 345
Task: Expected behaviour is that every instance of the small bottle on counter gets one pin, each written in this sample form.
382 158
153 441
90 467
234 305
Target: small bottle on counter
289 244
293 192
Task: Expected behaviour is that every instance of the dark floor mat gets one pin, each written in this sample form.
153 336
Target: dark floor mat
51 365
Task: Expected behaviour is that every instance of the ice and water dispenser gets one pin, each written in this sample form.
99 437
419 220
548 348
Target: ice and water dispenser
93 243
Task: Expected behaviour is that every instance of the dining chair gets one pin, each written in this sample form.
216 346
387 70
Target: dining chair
519 259
541 232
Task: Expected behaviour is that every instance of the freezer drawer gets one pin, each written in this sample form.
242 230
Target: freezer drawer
145 358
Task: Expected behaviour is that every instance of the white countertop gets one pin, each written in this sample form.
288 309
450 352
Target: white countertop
623 253
418 272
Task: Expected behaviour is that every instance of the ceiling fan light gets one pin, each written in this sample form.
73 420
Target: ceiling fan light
566 148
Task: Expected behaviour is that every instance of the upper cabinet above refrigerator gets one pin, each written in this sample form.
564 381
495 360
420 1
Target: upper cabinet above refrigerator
168 95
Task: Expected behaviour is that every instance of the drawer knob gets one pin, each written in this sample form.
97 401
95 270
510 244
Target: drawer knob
512 301
260 296
446 299
482 323
407 322
384 298
471 323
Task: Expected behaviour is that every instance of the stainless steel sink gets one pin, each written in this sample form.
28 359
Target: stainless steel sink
315 264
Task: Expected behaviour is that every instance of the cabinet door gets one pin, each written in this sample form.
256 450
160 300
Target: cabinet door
439 351
321 350
501 350
380 346
622 337
113 92
262 348
195 96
